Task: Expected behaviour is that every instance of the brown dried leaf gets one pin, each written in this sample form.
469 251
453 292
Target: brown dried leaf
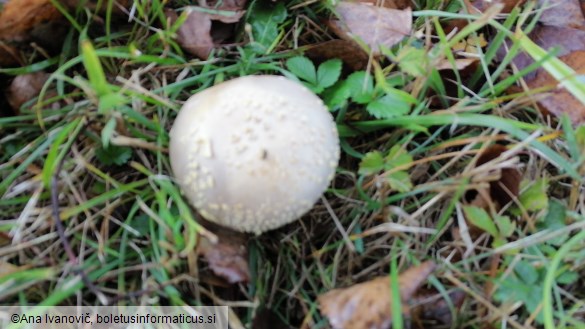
483 5
392 4
565 38
460 64
349 53
562 13
367 305
384 26
24 88
19 17
228 258
437 310
195 33
508 186
560 101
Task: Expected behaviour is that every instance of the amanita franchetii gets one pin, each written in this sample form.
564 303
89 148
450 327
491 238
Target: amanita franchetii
254 153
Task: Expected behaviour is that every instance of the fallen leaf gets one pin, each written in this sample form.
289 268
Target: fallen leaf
24 88
566 39
198 36
349 53
561 26
437 310
195 34
228 258
478 7
392 4
19 17
562 13
460 64
560 101
386 27
483 5
367 305
507 187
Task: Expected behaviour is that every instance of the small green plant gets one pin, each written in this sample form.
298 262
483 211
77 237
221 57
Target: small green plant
111 155
499 227
397 157
315 79
265 21
381 100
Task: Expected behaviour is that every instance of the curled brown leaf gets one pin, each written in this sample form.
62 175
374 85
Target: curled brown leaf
385 27
367 305
228 257
507 186
559 100
24 88
19 17
430 310
350 53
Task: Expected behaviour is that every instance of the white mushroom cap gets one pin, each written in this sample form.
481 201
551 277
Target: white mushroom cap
254 153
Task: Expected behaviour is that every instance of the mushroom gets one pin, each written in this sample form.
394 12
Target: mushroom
254 153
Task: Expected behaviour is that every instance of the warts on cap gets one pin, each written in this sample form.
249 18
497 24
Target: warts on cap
254 153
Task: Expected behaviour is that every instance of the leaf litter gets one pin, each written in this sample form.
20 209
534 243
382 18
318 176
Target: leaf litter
367 305
386 27
228 257
200 33
562 27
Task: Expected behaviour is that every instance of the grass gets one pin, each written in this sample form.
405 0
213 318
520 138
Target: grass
102 154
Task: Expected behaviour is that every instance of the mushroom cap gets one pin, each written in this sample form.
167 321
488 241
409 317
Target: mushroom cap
254 153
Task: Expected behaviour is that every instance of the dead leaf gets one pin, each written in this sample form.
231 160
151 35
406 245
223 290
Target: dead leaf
566 39
460 64
385 27
195 34
19 17
24 88
507 187
562 26
392 4
562 13
349 53
560 101
228 258
478 7
437 310
198 36
483 5
367 305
